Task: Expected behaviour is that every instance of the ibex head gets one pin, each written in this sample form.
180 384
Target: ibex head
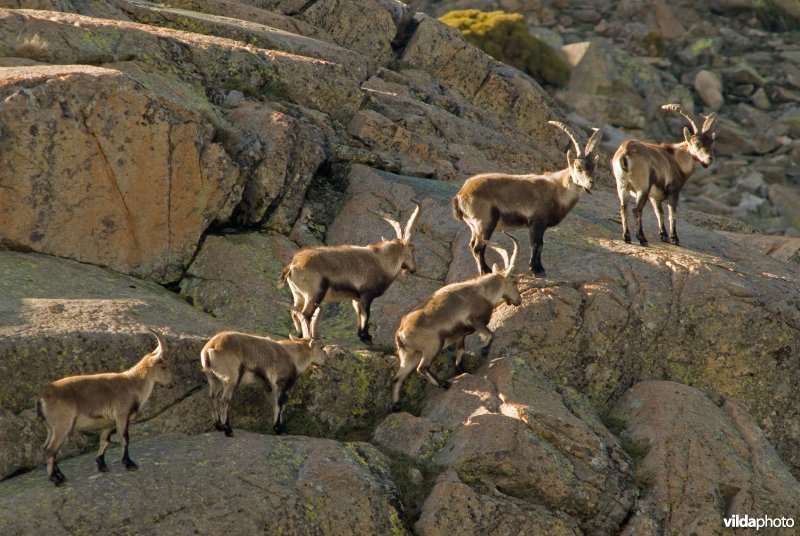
582 167
510 290
162 373
701 144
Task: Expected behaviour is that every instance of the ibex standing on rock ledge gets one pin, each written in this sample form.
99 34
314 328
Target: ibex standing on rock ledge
492 202
100 401
346 272
658 171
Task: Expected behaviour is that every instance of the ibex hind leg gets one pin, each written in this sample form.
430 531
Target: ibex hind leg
641 201
623 213
460 356
408 362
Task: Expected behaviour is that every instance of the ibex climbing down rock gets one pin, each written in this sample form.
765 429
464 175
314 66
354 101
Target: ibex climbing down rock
658 171
448 316
347 272
497 201
99 401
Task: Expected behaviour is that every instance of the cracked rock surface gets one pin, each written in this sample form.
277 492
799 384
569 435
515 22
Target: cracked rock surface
188 484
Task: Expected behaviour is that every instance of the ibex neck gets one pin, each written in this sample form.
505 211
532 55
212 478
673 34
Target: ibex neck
684 159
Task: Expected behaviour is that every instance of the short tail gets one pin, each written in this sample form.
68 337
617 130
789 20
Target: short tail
284 275
39 412
624 164
457 212
204 359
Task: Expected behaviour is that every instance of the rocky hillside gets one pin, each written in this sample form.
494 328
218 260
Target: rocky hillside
738 58
162 162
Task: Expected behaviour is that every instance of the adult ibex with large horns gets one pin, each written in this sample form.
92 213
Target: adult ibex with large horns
498 201
658 171
339 273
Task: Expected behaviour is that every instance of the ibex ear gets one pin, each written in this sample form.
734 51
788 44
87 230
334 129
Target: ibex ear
686 134
570 160
708 124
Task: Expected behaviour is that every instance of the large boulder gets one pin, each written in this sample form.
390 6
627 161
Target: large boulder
241 10
507 428
250 483
705 460
104 171
488 84
160 58
281 163
59 318
259 35
455 508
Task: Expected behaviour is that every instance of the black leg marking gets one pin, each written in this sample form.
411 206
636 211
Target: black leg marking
537 244
101 463
129 464
363 331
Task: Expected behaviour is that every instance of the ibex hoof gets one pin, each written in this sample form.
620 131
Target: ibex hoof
130 465
228 430
627 238
366 338
460 369
218 426
101 464
58 478
664 237
674 240
396 407
280 429
643 242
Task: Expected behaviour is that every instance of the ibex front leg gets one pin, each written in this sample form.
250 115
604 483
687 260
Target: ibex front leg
672 208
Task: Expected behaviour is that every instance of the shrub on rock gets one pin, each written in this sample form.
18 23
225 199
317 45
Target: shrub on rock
505 37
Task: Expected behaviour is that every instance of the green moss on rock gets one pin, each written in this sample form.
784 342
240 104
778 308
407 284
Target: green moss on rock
505 37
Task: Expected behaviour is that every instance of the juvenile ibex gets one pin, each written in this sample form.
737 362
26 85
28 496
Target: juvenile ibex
448 316
347 272
658 171
498 201
231 358
99 401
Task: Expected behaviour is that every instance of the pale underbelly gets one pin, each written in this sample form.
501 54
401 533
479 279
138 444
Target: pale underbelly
339 295
94 423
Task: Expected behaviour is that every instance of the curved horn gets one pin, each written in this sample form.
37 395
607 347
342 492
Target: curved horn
571 134
513 260
679 109
412 221
708 124
500 251
161 343
395 224
296 313
597 134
